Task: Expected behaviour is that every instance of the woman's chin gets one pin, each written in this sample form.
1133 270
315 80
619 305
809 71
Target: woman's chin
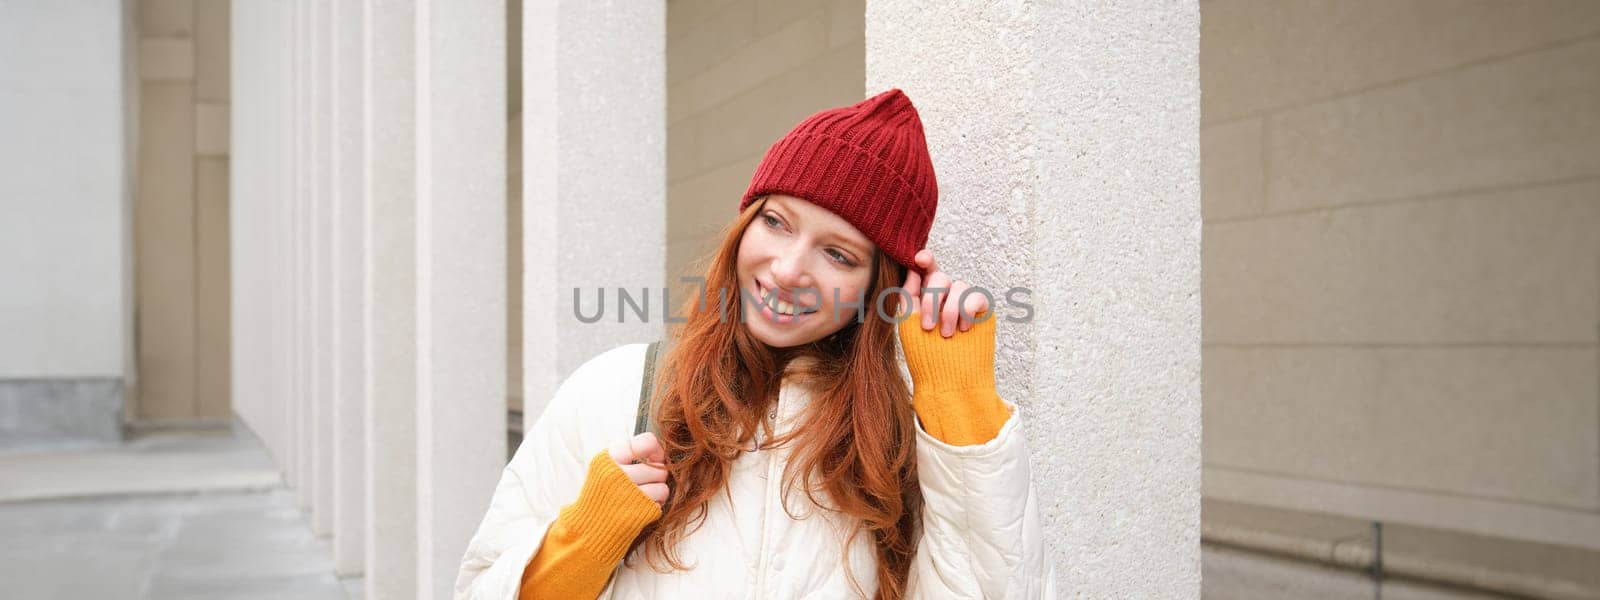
784 334
764 333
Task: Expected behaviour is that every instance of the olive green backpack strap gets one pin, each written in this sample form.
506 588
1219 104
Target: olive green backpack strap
642 421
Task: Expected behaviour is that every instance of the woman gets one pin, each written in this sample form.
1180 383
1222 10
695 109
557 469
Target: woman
789 462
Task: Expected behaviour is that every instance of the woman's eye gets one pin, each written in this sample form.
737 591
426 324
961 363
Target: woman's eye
771 222
840 257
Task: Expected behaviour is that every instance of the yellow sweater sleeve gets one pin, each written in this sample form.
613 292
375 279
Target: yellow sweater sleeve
953 381
589 536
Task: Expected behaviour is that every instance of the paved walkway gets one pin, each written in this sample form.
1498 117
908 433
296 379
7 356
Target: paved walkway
1229 574
169 515
1409 553
192 513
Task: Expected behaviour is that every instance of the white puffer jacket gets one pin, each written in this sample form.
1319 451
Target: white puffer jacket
981 536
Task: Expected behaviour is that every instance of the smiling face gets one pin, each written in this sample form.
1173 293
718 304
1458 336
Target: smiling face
792 258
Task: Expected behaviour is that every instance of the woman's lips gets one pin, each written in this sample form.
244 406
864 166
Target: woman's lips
763 296
779 294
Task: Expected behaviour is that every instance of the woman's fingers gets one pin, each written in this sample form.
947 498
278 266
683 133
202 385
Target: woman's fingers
920 261
656 491
642 474
640 448
913 287
649 448
950 313
643 461
932 305
620 452
924 259
938 297
972 308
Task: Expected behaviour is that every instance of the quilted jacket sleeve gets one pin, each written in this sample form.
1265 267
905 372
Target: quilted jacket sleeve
592 406
981 532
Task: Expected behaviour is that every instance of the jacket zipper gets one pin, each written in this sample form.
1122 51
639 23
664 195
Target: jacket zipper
766 503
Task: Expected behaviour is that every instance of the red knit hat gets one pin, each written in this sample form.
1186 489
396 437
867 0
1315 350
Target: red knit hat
866 162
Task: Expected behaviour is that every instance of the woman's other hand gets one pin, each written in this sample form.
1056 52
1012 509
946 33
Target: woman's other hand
643 460
943 309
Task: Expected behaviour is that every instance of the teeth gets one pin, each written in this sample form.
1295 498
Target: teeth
782 307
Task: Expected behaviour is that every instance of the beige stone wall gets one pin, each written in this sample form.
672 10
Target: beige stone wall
181 210
740 74
1402 261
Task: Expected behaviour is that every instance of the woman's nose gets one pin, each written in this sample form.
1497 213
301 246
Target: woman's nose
787 271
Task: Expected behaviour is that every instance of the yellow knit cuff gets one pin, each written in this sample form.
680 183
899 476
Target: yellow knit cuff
965 418
962 361
584 544
610 511
953 382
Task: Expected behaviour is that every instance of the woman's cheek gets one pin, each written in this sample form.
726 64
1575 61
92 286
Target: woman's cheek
847 305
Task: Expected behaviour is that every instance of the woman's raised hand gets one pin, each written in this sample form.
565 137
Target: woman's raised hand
942 309
643 460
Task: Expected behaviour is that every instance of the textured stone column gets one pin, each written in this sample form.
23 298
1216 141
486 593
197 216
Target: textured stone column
1066 142
461 225
299 242
249 346
594 179
260 190
389 198
349 277
283 252
322 259
69 104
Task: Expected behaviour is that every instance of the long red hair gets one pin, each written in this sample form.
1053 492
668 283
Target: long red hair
856 441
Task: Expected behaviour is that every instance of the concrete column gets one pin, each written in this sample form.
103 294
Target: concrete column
288 259
322 259
305 297
389 200
258 189
1066 141
247 345
461 207
282 213
349 275
300 475
264 133
69 104
579 158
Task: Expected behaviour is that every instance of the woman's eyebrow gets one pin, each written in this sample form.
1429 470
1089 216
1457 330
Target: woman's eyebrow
848 243
840 238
